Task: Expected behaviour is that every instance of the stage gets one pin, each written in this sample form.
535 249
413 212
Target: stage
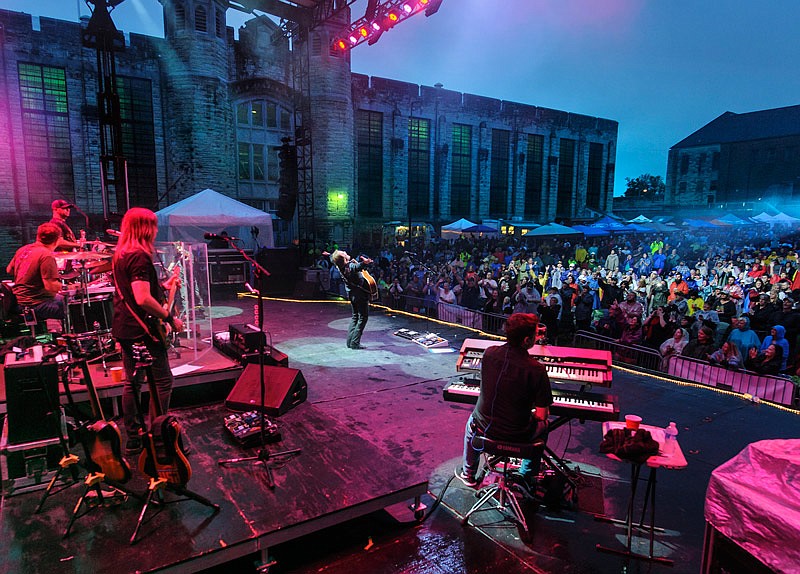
375 432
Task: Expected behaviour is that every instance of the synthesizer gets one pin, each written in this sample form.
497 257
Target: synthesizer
563 364
574 404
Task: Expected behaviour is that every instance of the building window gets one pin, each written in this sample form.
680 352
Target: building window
369 142
498 179
701 160
244 161
419 167
180 17
534 176
286 120
45 124
316 45
220 23
138 138
684 164
594 177
272 164
461 171
715 161
272 116
566 178
200 19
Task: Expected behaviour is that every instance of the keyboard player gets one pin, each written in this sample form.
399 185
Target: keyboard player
514 399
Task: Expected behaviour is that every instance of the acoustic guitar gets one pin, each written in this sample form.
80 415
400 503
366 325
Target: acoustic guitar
103 440
372 286
163 456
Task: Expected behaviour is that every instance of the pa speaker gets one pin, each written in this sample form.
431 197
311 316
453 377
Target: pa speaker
284 389
32 400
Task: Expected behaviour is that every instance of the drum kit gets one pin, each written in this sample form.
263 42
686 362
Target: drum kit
88 291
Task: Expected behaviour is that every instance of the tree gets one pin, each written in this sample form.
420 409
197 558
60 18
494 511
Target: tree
645 186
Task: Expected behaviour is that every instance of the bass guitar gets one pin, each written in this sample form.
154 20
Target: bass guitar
158 329
103 440
163 456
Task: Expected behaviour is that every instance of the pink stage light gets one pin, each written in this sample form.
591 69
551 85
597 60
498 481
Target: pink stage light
353 40
363 32
376 26
407 8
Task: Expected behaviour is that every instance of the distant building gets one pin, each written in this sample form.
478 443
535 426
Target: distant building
738 159
201 109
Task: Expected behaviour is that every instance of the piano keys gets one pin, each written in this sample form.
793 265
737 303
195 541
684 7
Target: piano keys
573 404
563 364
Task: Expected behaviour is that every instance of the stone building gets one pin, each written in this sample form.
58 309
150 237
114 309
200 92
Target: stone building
738 160
201 109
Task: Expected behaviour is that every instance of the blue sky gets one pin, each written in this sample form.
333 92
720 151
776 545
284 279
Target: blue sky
661 69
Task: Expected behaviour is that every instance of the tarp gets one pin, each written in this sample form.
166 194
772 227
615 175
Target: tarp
211 212
754 500
455 229
552 229
591 231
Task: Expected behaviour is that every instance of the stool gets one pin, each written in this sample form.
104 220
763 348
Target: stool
499 495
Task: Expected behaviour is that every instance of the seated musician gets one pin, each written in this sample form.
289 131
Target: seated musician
514 400
357 291
36 281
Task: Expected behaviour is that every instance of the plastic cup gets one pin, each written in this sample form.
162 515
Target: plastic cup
633 421
116 374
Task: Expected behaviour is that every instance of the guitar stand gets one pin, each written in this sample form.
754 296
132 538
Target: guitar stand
94 483
155 497
263 457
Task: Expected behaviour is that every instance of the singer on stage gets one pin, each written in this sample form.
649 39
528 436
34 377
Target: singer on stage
138 300
357 291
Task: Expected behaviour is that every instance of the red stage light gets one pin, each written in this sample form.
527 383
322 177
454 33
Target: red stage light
392 16
363 32
423 2
341 44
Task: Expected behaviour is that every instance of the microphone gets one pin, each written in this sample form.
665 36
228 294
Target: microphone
251 288
218 236
113 232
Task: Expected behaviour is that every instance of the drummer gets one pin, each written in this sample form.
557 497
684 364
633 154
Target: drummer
61 210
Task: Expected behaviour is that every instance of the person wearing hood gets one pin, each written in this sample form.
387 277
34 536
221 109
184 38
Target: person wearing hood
777 337
744 337
673 346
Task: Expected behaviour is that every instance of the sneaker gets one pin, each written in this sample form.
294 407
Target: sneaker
468 479
133 446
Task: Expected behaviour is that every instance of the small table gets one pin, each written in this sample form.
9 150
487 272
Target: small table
672 460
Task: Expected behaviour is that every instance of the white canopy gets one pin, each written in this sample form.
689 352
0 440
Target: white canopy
455 229
212 212
640 219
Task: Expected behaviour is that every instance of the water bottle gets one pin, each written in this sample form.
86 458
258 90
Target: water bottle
670 438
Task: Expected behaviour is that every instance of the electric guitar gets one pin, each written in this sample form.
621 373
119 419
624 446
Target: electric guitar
104 441
372 286
163 456
158 329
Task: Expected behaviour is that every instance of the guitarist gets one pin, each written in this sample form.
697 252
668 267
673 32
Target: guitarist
358 291
138 312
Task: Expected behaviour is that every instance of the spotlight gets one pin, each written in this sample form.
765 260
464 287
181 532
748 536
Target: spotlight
353 40
407 8
363 32
376 26
341 44
393 17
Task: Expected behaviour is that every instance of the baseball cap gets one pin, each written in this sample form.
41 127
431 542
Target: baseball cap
61 204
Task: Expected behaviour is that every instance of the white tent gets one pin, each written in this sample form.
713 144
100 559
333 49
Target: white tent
783 218
640 219
455 229
212 212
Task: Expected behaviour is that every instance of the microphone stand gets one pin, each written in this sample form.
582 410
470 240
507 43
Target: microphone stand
263 455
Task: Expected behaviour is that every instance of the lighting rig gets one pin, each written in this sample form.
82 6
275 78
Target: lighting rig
381 18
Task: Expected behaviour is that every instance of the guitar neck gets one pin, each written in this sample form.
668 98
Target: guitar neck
94 398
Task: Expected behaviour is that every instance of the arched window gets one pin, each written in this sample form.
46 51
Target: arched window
180 17
200 19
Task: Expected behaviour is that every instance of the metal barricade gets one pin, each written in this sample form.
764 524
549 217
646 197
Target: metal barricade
631 355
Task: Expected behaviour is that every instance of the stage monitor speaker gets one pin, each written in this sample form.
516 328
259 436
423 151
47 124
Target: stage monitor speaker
284 389
32 397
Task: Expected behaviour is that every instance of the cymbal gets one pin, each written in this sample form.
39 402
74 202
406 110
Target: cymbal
100 243
81 256
99 267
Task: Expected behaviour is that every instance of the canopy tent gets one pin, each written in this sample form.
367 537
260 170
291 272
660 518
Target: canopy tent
591 231
661 227
784 218
700 224
455 229
637 228
640 219
610 224
211 212
552 230
762 217
480 228
732 219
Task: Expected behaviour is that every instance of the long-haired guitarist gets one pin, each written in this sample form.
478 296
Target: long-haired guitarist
359 291
139 311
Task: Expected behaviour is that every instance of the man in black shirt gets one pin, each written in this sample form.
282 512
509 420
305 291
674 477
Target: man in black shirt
61 210
139 299
514 399
358 291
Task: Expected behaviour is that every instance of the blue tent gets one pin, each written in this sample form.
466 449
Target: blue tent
591 231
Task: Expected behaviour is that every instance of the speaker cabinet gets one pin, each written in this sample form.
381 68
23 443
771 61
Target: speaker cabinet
31 398
284 389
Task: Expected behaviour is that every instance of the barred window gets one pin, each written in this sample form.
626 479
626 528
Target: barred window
138 138
369 142
220 23
461 171
594 179
180 17
566 178
534 176
200 19
419 167
498 181
45 124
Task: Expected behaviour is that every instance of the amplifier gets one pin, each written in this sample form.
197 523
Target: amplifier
272 356
32 398
245 337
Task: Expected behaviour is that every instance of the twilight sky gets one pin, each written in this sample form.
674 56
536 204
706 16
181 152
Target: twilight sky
661 69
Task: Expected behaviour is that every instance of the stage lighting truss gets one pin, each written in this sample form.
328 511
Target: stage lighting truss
369 28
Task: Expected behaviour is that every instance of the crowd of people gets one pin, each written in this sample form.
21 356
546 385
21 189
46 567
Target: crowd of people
723 297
